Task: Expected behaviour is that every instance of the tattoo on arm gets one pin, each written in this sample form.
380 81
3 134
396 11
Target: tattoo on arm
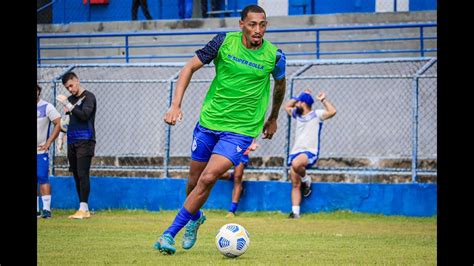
278 95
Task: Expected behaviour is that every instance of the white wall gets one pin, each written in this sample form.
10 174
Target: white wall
274 7
389 5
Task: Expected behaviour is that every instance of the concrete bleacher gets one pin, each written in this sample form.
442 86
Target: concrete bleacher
276 22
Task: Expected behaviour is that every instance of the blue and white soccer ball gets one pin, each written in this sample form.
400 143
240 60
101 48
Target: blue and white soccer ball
64 123
232 240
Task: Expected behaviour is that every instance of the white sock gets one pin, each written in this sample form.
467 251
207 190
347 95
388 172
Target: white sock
46 202
305 179
295 210
83 206
37 203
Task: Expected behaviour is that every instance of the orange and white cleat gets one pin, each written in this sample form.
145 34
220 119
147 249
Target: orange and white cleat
80 215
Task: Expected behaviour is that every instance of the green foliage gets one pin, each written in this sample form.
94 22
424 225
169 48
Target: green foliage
127 236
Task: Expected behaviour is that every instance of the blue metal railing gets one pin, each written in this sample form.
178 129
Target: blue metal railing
318 51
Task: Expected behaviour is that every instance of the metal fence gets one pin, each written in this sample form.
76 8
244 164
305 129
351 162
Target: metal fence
386 112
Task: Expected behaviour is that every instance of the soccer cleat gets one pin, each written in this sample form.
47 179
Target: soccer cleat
230 215
80 215
165 244
190 235
46 214
293 216
38 214
306 187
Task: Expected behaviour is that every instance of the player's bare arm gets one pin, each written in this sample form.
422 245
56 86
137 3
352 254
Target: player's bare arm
174 112
53 136
289 106
328 106
270 127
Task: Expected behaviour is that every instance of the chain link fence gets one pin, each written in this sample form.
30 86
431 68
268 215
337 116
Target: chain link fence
386 117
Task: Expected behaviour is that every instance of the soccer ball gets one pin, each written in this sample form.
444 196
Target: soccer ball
64 123
232 240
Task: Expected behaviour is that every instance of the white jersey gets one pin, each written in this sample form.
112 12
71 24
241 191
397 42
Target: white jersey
308 132
45 113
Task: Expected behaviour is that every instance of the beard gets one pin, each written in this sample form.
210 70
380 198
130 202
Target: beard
255 44
299 110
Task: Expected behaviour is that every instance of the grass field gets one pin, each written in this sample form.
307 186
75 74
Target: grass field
126 237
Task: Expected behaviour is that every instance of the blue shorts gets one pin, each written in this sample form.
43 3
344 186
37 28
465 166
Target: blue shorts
207 142
245 160
312 158
42 163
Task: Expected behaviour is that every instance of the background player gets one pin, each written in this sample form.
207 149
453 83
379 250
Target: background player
305 151
45 114
236 176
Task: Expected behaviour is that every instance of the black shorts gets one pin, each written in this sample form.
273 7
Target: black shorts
82 148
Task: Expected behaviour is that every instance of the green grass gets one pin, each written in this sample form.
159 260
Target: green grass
127 236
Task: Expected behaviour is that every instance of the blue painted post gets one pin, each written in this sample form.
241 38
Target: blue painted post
64 12
422 45
317 44
53 160
168 136
394 5
160 9
38 50
414 130
288 136
126 49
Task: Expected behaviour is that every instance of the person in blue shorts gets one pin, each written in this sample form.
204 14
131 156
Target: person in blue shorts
236 176
305 151
45 114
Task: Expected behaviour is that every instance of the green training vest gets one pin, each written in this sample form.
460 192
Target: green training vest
238 97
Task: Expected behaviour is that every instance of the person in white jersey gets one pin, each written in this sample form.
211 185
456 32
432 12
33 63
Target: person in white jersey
45 114
305 151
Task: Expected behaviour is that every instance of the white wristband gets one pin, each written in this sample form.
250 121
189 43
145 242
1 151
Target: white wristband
69 106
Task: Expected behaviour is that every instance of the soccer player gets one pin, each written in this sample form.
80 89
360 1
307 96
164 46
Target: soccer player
305 151
81 107
236 177
45 114
232 115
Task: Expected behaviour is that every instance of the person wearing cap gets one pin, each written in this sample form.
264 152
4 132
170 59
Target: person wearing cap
305 151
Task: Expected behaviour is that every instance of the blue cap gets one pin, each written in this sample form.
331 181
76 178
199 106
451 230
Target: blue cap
306 98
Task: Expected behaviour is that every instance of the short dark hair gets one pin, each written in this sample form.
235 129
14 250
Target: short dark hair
68 76
253 9
38 88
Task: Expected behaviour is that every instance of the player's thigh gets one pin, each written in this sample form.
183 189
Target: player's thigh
195 171
216 167
301 160
203 144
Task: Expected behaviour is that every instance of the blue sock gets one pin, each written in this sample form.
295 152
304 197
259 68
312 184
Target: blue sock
181 219
233 207
196 216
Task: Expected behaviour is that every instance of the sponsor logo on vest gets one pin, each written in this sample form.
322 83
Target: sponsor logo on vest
245 62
